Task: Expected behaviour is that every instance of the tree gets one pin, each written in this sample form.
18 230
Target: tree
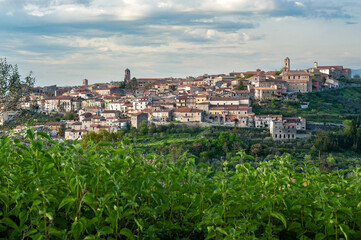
132 84
148 86
13 89
277 73
69 116
122 85
241 86
248 75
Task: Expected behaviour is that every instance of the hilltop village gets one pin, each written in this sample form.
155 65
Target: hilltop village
205 100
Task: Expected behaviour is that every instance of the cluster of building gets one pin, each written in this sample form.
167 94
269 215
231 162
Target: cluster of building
214 99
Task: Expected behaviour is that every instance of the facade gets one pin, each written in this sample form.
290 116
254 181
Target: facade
188 115
297 81
299 122
334 72
281 130
264 121
138 118
289 128
162 115
226 101
72 134
59 127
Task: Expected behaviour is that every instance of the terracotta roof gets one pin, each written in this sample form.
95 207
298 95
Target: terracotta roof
228 98
54 123
185 110
265 88
234 107
110 111
267 116
163 110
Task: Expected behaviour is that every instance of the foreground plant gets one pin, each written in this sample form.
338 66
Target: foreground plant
52 190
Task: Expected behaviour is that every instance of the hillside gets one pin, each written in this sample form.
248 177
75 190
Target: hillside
356 71
333 106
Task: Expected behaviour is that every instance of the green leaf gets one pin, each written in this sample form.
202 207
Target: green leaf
43 134
345 230
106 230
211 233
77 229
320 236
66 201
48 166
126 232
105 144
56 233
4 199
89 200
359 205
30 232
9 222
280 217
23 216
30 134
36 202
221 230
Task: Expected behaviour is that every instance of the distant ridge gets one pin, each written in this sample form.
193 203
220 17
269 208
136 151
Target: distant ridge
356 71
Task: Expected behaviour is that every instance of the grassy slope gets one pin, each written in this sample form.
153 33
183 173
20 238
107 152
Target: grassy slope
328 106
334 105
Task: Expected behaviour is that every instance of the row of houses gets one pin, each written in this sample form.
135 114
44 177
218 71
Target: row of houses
217 99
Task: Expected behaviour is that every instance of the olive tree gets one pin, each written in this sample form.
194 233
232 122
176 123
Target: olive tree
13 89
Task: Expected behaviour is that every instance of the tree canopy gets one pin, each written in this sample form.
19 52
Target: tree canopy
13 89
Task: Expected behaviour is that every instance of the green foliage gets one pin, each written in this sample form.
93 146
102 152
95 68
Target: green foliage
241 86
248 75
122 85
103 136
13 89
52 190
277 73
69 116
132 84
148 86
332 106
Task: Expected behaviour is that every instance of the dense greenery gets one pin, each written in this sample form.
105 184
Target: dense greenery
13 89
333 106
54 190
212 145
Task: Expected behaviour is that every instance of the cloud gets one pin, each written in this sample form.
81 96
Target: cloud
153 33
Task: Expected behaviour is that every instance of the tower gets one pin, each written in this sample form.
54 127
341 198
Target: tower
126 75
287 64
315 65
85 82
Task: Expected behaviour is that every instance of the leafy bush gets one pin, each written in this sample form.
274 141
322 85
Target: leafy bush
54 190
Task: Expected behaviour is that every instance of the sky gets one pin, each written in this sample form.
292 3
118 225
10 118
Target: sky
65 41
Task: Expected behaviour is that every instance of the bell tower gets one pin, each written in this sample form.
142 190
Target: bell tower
287 64
126 75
